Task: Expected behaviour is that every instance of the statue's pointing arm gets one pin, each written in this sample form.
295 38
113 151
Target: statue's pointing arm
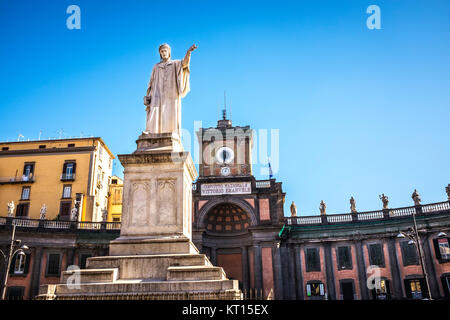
187 57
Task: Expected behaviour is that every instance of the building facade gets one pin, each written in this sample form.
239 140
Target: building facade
115 199
341 256
58 173
54 247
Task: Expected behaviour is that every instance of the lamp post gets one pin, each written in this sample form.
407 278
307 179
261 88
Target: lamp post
413 235
14 243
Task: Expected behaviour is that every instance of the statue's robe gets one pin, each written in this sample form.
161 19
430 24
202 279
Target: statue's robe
169 83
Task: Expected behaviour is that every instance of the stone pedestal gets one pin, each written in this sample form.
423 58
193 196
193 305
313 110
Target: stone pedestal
154 257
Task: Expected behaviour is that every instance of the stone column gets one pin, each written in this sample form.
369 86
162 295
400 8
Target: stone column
278 275
36 272
329 268
298 273
257 266
285 271
397 287
291 273
70 257
362 276
429 267
245 270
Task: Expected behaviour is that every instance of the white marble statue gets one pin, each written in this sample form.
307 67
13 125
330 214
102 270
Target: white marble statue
353 205
169 82
293 209
43 212
385 201
74 214
323 208
11 209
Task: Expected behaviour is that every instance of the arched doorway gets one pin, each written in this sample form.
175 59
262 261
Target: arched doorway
227 237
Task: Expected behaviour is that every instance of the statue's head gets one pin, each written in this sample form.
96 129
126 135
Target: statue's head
164 51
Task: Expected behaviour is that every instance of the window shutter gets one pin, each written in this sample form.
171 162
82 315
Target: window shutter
13 263
445 285
436 249
408 289
424 288
64 168
388 289
74 167
27 263
25 210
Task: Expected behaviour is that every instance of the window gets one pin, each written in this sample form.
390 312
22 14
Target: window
53 264
383 292
115 219
344 258
416 288
22 210
67 191
15 293
110 163
315 290
114 181
69 169
409 253
25 193
42 146
312 259
5 148
64 210
28 170
376 256
71 145
100 153
442 248
19 265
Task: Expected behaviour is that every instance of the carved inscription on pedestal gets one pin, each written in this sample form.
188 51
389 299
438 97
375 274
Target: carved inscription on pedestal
139 206
167 206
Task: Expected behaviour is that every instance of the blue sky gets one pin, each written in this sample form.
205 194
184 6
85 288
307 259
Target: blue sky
360 112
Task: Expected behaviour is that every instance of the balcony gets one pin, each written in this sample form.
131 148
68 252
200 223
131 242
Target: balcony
379 215
67 176
18 179
61 225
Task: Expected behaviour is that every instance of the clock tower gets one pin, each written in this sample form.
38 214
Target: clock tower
225 150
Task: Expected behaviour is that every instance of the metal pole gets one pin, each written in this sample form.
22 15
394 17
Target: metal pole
8 265
419 249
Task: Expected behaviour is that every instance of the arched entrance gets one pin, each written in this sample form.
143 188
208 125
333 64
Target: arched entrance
226 236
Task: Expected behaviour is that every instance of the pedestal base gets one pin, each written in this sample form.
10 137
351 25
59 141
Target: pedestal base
154 257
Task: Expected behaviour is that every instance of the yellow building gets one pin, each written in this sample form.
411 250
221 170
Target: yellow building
115 199
58 173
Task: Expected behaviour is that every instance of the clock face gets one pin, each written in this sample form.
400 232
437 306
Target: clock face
225 171
224 155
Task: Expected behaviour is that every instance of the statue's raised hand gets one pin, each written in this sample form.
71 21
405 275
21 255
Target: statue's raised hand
192 48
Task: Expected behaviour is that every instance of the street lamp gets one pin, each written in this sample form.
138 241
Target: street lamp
7 259
413 235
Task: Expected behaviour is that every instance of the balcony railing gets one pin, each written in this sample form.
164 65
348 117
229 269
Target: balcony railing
263 184
18 179
59 224
386 214
67 176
